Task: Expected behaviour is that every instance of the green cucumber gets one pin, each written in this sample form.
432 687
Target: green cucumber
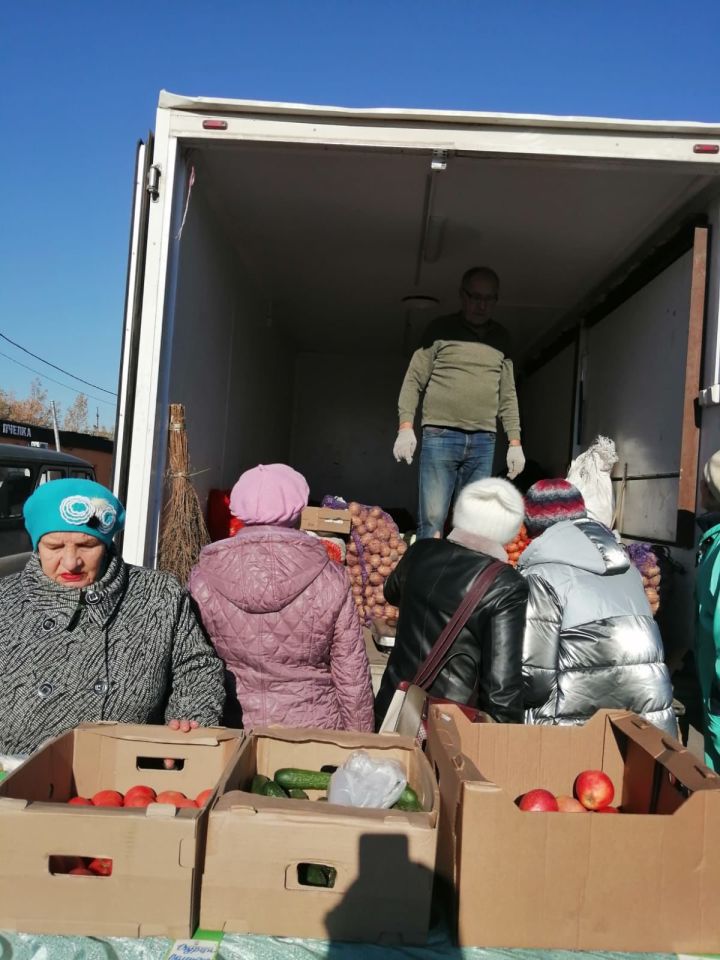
258 782
315 875
408 801
297 794
289 777
273 789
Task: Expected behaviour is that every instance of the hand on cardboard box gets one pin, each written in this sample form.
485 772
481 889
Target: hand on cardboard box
184 726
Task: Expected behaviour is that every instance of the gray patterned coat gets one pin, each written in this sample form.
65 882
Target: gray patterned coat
127 648
590 639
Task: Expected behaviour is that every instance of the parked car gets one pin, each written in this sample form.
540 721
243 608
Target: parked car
22 470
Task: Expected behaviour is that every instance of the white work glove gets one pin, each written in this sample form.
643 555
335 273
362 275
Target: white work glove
515 462
405 445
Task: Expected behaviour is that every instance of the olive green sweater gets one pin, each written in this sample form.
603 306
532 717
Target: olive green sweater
466 375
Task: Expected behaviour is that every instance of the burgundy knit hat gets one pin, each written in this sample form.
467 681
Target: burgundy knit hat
549 501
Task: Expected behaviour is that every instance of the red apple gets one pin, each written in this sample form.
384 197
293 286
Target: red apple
186 802
202 798
139 800
139 791
80 872
538 801
108 798
170 796
80 802
569 805
594 789
607 810
100 867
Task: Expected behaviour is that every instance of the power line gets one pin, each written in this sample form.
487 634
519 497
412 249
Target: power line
55 367
44 376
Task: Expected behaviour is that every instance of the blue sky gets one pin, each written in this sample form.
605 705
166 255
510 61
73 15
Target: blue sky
79 83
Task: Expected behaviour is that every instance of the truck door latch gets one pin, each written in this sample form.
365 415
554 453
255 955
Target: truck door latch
439 160
152 184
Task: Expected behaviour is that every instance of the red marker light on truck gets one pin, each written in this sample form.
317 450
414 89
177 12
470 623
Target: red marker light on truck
214 124
706 148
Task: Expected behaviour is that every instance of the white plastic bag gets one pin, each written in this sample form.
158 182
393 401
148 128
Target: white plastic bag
364 782
590 473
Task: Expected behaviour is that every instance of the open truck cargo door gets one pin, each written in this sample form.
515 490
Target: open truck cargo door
639 384
142 192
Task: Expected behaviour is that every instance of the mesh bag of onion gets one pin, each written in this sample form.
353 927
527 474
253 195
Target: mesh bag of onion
642 556
373 552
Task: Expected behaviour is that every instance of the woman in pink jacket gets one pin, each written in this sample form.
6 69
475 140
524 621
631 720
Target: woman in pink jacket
280 613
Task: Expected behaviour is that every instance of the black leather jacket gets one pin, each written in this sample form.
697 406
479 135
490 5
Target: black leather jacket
484 666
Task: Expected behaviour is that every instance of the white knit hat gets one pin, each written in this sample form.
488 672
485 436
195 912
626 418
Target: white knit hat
490 508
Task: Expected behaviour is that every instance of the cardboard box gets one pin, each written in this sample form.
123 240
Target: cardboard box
257 846
644 880
156 852
324 520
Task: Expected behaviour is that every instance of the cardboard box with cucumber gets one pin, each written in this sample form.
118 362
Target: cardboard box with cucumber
283 864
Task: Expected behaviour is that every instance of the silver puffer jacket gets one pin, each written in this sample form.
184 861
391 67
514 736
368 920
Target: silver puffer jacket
590 639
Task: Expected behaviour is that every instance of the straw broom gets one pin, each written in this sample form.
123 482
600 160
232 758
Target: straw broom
184 532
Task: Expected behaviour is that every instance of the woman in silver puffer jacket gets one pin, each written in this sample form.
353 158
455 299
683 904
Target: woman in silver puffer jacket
590 638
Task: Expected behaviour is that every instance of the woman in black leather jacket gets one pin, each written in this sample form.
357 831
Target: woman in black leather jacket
484 666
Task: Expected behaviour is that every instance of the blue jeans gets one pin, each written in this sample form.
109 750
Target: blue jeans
449 460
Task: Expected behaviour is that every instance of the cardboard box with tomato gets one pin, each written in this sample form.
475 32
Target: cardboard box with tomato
543 878
101 868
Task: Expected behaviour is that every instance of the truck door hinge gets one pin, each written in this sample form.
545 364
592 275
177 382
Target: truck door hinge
152 184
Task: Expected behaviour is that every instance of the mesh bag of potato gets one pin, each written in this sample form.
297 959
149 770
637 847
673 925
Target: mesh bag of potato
642 556
373 552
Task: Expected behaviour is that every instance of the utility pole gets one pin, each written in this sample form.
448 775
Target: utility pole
97 419
55 425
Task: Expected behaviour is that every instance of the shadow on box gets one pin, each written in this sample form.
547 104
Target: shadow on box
387 856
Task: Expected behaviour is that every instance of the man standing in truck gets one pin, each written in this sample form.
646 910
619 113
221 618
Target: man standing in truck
464 368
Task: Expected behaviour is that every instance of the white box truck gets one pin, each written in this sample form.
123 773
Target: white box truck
285 259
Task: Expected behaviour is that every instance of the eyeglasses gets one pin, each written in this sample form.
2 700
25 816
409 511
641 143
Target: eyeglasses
480 297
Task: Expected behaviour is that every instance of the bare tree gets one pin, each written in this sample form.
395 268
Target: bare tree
35 409
7 399
76 417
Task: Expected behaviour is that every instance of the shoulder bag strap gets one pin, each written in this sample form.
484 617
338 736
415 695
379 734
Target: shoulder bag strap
430 667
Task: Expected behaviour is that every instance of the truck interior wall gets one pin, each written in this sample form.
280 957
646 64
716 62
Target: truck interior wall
633 389
230 368
546 398
634 377
344 428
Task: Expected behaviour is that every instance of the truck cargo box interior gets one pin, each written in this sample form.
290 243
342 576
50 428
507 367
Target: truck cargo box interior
304 277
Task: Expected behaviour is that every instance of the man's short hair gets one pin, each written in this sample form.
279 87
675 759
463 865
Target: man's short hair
479 272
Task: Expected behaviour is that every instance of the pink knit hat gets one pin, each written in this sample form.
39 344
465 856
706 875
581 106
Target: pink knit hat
272 494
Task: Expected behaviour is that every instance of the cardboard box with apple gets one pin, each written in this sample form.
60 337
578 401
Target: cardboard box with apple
262 851
102 868
542 878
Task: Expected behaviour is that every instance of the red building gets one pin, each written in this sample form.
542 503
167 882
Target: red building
96 450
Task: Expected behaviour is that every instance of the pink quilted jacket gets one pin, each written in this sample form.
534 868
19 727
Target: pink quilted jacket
280 614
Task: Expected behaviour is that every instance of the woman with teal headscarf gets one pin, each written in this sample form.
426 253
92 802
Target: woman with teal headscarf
86 637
